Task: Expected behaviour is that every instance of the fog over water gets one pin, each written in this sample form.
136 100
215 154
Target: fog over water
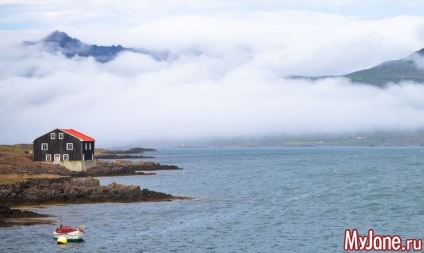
226 75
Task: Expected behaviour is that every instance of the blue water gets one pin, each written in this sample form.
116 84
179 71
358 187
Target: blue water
250 200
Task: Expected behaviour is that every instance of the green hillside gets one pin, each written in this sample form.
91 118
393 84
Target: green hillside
396 71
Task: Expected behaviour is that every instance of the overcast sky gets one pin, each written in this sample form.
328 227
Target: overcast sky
227 76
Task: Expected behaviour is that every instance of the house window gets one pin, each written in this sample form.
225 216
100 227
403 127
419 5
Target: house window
48 157
89 146
86 145
60 135
69 146
53 136
44 146
65 157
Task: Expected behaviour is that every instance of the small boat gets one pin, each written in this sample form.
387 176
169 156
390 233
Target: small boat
71 234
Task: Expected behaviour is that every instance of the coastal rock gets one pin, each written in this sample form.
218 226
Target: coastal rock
21 165
16 217
71 190
124 167
7 212
112 156
125 154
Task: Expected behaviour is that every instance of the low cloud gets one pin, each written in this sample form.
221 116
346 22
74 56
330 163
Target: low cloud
223 82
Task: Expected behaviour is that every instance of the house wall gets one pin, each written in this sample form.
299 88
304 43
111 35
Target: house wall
88 164
82 151
57 146
88 150
78 165
72 165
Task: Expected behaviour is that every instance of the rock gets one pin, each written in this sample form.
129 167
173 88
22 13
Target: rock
14 217
123 167
74 190
7 212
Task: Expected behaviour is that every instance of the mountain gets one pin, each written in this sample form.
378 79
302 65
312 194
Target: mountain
70 47
410 68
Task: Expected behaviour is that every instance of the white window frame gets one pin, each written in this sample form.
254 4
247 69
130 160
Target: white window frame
65 157
48 157
60 136
69 146
52 136
44 146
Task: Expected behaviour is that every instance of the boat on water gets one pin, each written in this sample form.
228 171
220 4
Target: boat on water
71 234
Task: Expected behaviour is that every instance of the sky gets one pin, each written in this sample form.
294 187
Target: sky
226 77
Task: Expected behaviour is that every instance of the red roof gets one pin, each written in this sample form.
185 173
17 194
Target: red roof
77 134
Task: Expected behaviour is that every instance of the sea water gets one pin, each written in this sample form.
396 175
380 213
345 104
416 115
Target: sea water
250 200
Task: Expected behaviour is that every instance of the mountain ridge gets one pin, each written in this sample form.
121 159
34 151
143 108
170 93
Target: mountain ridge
394 71
70 47
410 68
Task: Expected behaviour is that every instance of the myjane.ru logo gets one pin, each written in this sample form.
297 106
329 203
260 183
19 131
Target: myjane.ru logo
353 241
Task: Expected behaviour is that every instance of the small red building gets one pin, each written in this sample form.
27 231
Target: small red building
66 147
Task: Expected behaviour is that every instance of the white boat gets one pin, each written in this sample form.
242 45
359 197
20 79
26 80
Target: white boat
71 234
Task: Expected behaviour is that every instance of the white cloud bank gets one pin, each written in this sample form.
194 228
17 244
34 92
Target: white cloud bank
228 79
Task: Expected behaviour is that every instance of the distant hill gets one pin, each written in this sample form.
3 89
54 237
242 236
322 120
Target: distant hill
70 47
406 69
410 68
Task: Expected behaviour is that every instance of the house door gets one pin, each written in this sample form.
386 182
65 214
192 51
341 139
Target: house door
56 158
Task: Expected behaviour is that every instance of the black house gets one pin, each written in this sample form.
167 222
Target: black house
66 147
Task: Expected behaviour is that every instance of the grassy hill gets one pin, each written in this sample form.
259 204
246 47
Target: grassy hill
389 72
406 69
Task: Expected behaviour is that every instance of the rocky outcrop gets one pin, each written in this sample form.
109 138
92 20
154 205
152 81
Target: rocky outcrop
74 190
113 156
124 167
131 153
17 165
16 217
7 212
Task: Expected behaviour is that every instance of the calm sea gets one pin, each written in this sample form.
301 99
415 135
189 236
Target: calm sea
250 200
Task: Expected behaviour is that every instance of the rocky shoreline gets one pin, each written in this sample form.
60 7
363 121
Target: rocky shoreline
123 168
118 167
24 182
66 190
16 217
131 153
111 156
